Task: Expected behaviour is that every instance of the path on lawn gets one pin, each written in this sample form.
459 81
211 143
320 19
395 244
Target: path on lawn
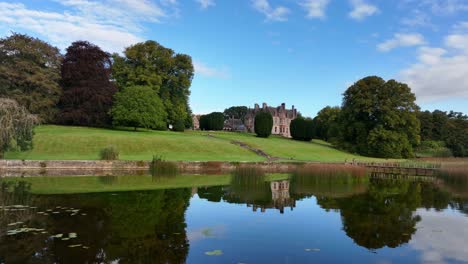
257 151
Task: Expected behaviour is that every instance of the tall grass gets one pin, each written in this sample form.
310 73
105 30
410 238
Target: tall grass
160 168
109 153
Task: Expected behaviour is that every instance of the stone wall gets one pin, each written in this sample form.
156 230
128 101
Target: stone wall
98 167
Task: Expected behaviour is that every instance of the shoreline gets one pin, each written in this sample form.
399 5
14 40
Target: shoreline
15 168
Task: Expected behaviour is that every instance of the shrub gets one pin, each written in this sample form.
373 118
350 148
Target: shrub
263 124
212 121
179 126
109 153
431 148
302 129
160 168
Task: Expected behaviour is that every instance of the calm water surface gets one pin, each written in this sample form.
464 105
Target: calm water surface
250 220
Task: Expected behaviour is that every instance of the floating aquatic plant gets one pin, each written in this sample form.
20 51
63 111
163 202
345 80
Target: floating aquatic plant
216 252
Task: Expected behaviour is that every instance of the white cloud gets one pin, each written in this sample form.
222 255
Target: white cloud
207 71
279 13
204 4
441 238
315 8
461 26
63 28
417 18
111 24
440 73
457 41
361 10
401 40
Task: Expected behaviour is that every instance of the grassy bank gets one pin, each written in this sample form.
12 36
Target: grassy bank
73 185
81 143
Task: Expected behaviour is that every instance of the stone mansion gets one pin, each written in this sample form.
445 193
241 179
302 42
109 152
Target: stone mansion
282 118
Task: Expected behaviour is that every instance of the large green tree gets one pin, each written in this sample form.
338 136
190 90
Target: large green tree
30 74
379 119
169 75
138 106
326 123
16 126
88 90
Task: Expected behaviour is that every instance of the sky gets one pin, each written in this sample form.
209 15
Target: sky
304 53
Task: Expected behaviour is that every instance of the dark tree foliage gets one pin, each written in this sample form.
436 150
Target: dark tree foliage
379 119
236 112
212 121
450 129
263 124
169 74
30 74
302 129
427 126
88 91
456 136
326 123
179 126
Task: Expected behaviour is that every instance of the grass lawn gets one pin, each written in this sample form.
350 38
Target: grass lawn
73 185
82 143
316 150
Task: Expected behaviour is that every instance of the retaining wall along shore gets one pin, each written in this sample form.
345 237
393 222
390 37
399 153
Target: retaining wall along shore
99 167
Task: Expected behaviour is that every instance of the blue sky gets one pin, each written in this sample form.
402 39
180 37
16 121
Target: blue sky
300 52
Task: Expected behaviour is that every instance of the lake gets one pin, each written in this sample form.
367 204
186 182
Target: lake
246 217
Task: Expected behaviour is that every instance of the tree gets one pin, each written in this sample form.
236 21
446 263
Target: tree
88 90
263 124
456 136
138 106
379 119
237 112
16 125
440 129
302 129
167 73
326 123
30 74
212 121
427 125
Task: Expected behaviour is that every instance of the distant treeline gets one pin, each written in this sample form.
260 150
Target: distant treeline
148 86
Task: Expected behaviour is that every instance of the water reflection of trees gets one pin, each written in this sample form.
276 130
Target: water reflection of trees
133 227
385 214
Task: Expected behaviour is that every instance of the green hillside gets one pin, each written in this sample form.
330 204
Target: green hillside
82 143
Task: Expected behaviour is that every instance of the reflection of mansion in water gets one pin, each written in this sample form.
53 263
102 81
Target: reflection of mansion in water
279 196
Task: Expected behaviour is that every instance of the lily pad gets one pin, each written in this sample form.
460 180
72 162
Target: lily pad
74 246
58 235
72 235
216 252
